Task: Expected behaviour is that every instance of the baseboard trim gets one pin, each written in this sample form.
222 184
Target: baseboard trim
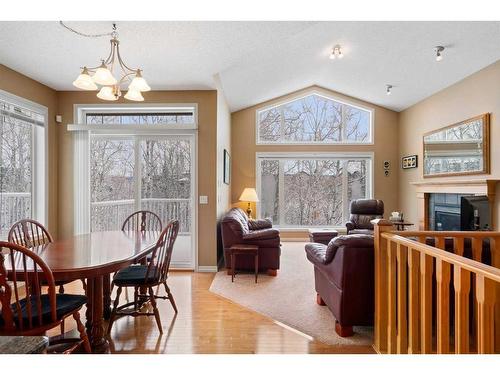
207 269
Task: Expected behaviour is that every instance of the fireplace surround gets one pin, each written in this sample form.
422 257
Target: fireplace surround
425 189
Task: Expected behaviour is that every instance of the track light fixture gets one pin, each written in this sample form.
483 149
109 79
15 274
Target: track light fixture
336 53
388 89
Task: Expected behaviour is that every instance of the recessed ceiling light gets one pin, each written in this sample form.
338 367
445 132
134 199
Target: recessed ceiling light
439 50
388 89
336 53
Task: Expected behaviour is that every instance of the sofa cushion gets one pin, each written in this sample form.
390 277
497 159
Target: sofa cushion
361 231
260 224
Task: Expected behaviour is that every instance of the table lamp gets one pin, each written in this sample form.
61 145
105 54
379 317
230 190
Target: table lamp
249 195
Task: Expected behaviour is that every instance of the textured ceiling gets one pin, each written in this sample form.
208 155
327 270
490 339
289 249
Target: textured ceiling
257 61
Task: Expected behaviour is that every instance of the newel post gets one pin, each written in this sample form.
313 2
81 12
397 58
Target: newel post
380 226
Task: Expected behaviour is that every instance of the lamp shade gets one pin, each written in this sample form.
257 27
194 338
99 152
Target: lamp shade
106 93
139 83
249 195
84 81
134 95
103 76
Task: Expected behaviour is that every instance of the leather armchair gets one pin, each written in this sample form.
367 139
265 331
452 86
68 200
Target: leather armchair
363 211
238 229
344 279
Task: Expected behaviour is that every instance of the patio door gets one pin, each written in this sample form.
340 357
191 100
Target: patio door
155 173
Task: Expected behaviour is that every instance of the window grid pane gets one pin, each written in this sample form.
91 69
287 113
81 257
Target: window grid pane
315 192
314 119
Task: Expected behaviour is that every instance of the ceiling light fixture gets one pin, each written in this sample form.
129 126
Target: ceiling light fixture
388 89
336 53
439 50
103 74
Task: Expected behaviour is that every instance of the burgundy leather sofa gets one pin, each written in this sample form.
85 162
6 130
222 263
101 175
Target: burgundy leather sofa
363 211
344 279
238 229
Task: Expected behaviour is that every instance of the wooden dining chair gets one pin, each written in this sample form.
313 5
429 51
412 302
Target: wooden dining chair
30 233
142 221
26 310
145 277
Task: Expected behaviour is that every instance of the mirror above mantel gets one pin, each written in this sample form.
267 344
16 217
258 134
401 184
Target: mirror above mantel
459 149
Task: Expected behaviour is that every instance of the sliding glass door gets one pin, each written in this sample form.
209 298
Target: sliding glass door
154 173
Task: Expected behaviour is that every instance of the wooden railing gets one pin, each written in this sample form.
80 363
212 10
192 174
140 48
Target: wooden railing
434 299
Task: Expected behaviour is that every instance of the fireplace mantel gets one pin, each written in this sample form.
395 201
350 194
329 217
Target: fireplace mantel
471 186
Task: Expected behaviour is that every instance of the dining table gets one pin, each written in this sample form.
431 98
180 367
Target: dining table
94 257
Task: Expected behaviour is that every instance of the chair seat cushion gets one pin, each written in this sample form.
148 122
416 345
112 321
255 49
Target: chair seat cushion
65 304
135 275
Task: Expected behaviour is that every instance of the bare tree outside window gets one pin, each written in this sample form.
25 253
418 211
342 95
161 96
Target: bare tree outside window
16 172
311 192
312 119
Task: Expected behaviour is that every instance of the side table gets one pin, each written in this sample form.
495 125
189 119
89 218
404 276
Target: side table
244 250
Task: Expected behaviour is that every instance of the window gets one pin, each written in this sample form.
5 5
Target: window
22 161
314 119
140 118
137 157
307 190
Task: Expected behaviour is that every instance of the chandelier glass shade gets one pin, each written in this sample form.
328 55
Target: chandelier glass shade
112 74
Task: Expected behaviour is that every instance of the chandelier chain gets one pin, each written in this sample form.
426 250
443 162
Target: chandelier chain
112 34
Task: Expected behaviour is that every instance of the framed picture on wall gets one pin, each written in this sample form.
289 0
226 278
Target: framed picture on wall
409 162
227 167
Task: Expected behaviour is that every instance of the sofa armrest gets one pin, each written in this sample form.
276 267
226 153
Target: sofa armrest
262 234
260 224
350 226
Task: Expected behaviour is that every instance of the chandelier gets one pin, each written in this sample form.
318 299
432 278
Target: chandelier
107 73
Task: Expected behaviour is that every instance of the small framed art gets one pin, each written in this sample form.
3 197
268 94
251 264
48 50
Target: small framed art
409 162
227 167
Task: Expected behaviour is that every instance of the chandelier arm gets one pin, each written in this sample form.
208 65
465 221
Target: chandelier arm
121 61
110 56
125 76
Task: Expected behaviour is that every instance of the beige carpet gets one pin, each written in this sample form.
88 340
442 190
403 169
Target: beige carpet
289 298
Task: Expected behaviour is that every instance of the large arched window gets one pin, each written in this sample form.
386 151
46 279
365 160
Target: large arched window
314 118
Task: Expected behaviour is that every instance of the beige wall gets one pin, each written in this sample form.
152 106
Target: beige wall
207 138
385 148
475 95
223 143
27 88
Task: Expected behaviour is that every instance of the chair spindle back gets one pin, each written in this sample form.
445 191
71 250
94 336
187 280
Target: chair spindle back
29 233
142 221
21 274
162 254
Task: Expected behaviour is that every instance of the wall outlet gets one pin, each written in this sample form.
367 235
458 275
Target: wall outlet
203 199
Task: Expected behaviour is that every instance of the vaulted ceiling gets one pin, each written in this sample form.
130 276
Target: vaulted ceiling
257 61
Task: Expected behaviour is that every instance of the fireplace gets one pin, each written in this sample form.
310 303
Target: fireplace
447 206
444 211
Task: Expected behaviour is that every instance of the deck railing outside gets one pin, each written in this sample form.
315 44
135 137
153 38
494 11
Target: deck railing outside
109 215
433 299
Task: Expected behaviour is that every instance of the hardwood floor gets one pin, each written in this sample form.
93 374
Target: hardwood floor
207 323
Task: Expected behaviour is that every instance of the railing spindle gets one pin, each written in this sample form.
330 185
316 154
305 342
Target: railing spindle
402 337
461 285
426 302
391 307
443 306
414 302
485 294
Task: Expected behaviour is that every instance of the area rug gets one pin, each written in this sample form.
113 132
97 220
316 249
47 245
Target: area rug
289 298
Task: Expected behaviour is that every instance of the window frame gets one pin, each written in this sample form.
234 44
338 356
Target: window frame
81 111
39 156
368 156
332 97
83 133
